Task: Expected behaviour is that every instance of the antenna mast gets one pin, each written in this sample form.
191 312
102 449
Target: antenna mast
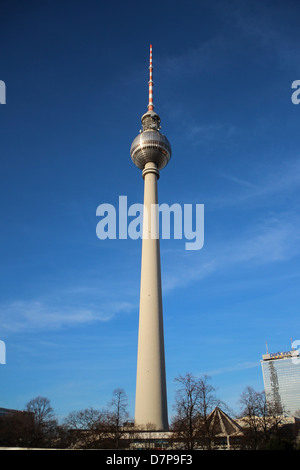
150 105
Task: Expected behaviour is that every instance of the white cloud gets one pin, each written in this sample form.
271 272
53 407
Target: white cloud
262 185
233 368
36 314
275 239
207 133
184 275
272 240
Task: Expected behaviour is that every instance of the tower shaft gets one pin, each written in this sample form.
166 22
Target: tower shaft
151 395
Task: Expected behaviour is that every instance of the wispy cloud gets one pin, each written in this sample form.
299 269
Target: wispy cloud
261 185
37 314
267 27
271 240
239 181
206 134
233 368
192 60
174 279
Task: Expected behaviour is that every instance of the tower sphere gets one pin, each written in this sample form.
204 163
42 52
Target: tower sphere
150 146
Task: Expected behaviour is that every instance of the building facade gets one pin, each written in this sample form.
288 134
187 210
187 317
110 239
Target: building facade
281 375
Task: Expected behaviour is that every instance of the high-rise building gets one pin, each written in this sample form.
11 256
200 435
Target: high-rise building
281 374
150 152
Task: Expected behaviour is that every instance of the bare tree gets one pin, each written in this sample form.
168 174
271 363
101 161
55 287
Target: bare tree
91 428
253 406
194 401
261 417
118 414
87 428
41 408
44 423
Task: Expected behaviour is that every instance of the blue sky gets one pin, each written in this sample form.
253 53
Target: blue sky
76 78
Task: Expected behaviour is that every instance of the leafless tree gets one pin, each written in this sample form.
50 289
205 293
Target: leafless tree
194 401
117 414
87 428
261 417
41 408
44 423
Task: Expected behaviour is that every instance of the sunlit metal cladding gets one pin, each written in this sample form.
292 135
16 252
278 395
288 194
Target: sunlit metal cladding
150 145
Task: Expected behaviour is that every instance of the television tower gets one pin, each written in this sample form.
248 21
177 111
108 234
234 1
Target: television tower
150 152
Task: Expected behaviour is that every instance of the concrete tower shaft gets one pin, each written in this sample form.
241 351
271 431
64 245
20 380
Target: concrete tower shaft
151 393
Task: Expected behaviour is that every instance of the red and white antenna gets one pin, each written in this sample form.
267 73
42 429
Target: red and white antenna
150 105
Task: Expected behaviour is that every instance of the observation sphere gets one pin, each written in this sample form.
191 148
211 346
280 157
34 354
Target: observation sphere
150 146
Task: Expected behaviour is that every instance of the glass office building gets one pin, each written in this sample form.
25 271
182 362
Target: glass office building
281 374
